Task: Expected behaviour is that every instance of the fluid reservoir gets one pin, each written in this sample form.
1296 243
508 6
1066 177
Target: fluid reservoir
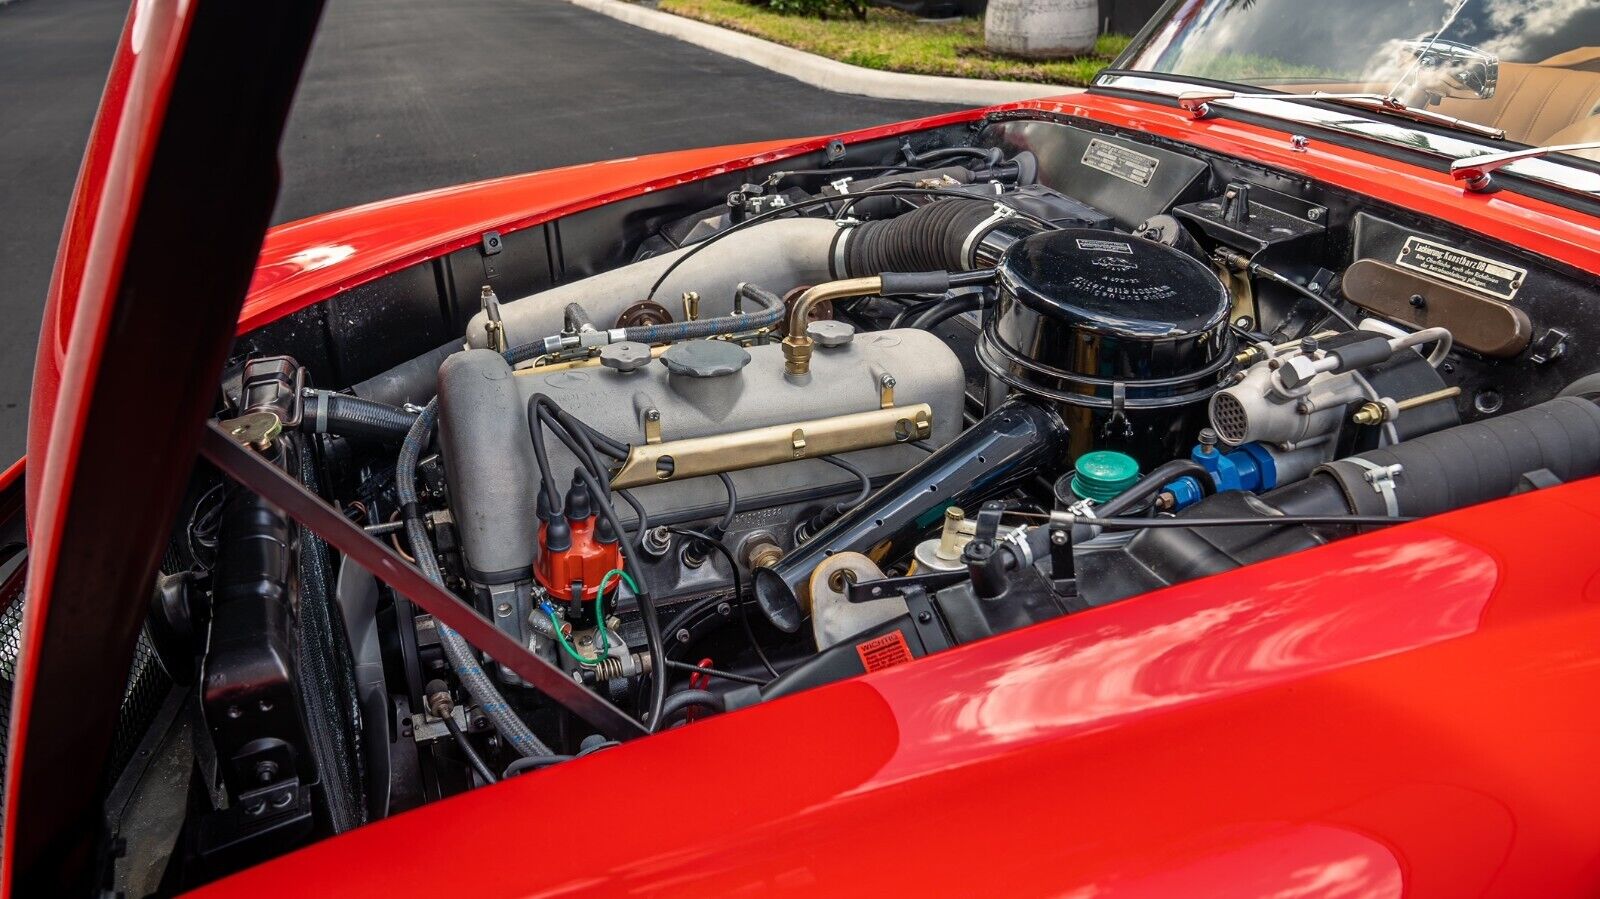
1126 336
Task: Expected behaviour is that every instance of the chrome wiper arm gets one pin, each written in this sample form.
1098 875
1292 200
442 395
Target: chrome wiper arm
1199 103
1475 170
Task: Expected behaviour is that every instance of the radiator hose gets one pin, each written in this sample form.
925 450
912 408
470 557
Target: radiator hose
326 412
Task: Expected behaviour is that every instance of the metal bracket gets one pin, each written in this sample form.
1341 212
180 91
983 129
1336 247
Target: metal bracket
493 328
277 487
652 426
886 384
254 429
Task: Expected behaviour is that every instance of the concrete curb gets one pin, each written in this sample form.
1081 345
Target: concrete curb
819 71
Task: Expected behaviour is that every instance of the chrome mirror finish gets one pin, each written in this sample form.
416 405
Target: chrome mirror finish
1443 69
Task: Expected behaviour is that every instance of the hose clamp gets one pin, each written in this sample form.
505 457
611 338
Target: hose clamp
970 245
1018 541
1381 477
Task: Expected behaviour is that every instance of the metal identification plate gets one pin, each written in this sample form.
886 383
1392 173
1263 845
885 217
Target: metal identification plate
1105 246
1120 162
1469 270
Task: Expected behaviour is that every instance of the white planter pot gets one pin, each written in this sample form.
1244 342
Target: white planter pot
1041 29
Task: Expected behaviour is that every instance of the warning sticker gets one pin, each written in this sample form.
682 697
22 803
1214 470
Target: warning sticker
1120 162
883 652
1470 270
1105 246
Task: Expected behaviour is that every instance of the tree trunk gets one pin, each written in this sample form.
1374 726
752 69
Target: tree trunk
1041 29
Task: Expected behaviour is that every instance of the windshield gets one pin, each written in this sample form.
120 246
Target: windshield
1529 67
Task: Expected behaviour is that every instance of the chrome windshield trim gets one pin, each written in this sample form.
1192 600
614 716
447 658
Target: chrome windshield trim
1381 128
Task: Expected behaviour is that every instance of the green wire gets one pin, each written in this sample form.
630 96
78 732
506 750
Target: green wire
556 624
599 611
599 615
625 576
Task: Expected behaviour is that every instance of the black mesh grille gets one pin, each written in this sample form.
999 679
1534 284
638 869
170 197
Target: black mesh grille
147 686
10 646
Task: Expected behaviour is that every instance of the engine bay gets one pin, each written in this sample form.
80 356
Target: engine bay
718 444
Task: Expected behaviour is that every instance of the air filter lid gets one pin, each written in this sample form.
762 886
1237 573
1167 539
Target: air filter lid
1108 283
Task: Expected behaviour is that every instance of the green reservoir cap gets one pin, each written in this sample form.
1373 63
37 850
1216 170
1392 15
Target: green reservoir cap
1103 474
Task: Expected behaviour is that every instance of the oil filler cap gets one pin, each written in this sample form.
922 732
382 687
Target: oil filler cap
1102 474
705 358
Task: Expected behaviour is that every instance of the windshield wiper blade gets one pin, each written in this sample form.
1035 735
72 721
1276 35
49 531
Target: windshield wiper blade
1475 170
1199 103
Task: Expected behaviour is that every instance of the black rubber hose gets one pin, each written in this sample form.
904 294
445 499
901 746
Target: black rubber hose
933 236
683 701
1147 487
944 310
473 758
1476 462
327 412
912 157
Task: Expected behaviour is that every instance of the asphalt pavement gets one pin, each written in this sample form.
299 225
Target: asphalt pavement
399 96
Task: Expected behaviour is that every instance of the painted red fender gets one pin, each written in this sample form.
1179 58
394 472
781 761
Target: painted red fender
1405 713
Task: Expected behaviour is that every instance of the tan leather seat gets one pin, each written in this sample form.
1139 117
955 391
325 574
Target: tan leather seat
1536 102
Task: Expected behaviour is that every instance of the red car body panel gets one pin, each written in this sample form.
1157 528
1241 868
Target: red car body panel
77 319
1405 711
1401 713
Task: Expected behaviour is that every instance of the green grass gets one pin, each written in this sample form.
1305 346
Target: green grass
897 42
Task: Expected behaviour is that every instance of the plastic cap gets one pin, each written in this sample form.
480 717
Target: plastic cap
625 355
705 358
1103 474
830 334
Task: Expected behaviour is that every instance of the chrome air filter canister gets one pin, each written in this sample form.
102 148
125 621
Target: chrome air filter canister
1128 337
